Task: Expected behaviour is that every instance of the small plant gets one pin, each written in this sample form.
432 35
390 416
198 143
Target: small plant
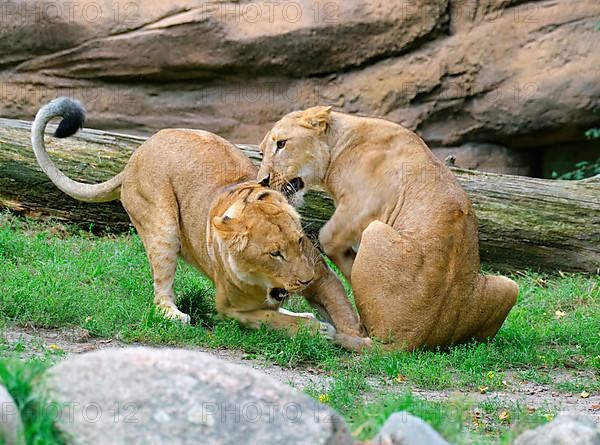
583 169
593 133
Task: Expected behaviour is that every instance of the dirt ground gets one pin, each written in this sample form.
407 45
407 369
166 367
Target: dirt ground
530 395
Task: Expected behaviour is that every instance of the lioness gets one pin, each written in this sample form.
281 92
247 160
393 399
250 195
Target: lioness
192 193
403 232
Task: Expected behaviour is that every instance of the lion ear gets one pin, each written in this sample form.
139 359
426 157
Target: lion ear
229 227
316 117
231 231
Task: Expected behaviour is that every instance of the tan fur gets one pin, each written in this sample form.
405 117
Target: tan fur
193 194
403 231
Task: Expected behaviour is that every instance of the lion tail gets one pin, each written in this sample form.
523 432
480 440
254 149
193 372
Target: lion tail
73 115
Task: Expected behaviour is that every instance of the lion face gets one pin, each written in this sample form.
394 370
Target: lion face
295 152
262 241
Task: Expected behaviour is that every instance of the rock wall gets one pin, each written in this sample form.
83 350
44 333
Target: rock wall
498 83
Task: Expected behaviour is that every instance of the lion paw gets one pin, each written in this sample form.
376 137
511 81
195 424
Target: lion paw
172 313
184 318
353 343
326 330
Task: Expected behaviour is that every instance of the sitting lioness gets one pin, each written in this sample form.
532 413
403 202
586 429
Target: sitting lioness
192 193
403 232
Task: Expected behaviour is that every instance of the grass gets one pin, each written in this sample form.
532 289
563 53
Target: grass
19 378
55 276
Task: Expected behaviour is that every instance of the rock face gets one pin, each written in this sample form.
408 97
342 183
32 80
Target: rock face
490 158
403 428
566 429
520 75
169 396
11 427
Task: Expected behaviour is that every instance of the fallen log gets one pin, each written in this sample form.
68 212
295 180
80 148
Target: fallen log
523 222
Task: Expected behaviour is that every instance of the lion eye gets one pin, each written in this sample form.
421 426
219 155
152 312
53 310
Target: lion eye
300 241
280 144
276 254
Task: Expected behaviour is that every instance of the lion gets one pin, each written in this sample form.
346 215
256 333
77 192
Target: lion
191 193
404 232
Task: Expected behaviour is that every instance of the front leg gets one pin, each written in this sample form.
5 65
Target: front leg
338 236
286 320
327 295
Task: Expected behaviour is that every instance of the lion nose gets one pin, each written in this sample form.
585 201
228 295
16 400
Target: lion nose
265 181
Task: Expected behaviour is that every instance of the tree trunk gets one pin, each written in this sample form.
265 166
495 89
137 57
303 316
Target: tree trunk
523 222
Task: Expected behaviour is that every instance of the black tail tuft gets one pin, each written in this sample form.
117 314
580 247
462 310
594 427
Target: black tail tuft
73 115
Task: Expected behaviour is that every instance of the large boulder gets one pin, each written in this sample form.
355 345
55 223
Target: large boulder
519 75
191 40
170 396
566 429
11 427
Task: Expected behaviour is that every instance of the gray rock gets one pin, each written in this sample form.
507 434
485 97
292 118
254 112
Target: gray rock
403 428
11 428
566 429
169 396
490 158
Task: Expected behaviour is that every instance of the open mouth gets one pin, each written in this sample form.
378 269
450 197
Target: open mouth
293 186
278 294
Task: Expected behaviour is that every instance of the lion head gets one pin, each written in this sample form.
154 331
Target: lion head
295 152
262 242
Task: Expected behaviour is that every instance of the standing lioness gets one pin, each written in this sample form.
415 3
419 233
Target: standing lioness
404 232
192 193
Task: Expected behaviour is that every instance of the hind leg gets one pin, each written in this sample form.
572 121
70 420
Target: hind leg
163 254
388 289
497 296
159 234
